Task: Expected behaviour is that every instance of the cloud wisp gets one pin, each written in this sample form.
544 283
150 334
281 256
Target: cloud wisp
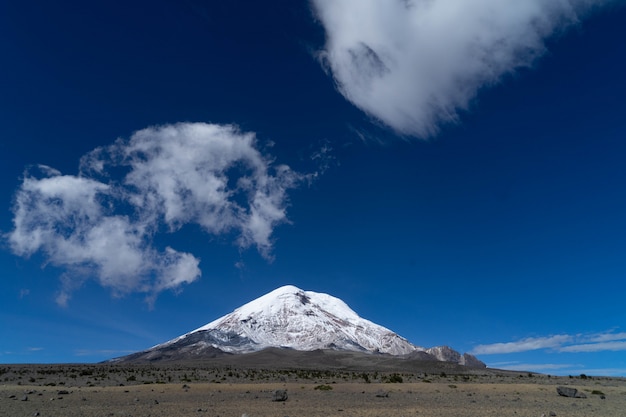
535 367
95 224
524 345
596 347
414 64
606 341
558 368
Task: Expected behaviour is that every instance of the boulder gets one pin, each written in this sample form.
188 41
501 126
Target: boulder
279 395
570 392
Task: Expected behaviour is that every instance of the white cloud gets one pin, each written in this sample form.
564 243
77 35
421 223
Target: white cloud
413 64
524 345
95 225
34 349
607 337
597 342
210 175
595 347
533 367
102 352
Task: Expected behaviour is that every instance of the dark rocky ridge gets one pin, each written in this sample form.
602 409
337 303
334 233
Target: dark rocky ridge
286 359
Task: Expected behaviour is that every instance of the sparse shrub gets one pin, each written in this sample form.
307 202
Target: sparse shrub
452 386
395 378
131 378
597 392
323 387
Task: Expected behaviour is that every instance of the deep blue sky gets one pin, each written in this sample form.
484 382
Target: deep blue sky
504 234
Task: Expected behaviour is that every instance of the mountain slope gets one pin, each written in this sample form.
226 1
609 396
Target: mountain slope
289 317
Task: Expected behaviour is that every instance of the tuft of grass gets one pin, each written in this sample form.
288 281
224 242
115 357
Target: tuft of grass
323 387
597 392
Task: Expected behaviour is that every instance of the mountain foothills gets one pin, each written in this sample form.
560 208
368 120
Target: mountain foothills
290 318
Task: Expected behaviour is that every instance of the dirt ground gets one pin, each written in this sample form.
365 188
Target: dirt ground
344 399
96 391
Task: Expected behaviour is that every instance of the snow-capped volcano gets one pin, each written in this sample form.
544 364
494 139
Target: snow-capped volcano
305 320
289 317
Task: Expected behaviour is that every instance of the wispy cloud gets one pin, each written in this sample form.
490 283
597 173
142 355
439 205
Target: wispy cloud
607 337
95 224
23 351
413 64
595 347
102 352
34 349
535 367
597 342
524 345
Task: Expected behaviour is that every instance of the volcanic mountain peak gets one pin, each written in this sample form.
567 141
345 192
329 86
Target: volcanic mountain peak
304 320
289 317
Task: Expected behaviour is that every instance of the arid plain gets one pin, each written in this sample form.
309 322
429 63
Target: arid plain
215 388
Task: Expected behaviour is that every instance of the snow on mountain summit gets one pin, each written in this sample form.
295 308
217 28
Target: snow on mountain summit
289 297
305 320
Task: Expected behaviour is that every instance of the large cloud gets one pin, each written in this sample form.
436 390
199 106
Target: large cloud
94 224
413 64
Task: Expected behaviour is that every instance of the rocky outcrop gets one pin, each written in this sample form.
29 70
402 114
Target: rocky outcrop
447 354
472 361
